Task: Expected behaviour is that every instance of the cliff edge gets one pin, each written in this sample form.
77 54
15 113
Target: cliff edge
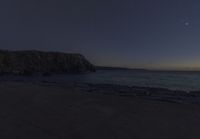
29 62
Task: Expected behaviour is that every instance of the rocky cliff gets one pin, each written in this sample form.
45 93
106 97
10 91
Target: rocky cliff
29 62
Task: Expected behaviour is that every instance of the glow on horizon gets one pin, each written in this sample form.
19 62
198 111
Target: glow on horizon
178 66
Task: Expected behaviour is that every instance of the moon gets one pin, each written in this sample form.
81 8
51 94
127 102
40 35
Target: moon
187 24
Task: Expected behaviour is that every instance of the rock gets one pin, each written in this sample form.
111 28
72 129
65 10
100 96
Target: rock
30 62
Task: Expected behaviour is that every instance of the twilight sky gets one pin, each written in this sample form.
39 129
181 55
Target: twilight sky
161 34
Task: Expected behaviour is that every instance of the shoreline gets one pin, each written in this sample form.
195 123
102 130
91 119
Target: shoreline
124 90
151 93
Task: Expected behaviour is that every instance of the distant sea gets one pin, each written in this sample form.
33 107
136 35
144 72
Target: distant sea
186 81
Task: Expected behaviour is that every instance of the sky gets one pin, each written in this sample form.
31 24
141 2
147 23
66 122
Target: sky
152 34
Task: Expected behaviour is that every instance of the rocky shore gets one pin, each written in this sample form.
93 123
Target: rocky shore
30 62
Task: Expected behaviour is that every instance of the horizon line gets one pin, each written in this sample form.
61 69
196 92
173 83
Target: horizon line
152 69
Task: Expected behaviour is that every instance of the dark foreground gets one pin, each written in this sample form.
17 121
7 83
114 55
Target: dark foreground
33 111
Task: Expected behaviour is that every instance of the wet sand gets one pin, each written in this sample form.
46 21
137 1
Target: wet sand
45 111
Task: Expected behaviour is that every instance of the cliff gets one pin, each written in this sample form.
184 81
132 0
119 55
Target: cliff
29 62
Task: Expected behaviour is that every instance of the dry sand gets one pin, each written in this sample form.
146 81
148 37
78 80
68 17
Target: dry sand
31 111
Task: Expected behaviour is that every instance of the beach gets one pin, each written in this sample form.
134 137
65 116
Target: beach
49 111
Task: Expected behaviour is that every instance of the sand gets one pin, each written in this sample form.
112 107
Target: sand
43 111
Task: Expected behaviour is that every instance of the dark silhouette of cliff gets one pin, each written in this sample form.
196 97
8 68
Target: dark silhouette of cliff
29 62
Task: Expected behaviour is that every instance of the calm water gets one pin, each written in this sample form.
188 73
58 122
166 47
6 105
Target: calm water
172 80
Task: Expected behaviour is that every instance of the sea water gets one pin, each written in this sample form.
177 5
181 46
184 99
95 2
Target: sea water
187 81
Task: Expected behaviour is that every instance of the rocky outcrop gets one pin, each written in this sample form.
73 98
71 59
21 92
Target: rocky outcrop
29 62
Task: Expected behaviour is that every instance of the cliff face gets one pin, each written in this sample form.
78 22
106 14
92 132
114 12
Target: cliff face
28 62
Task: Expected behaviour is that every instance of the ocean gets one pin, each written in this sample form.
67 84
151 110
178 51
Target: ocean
186 81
